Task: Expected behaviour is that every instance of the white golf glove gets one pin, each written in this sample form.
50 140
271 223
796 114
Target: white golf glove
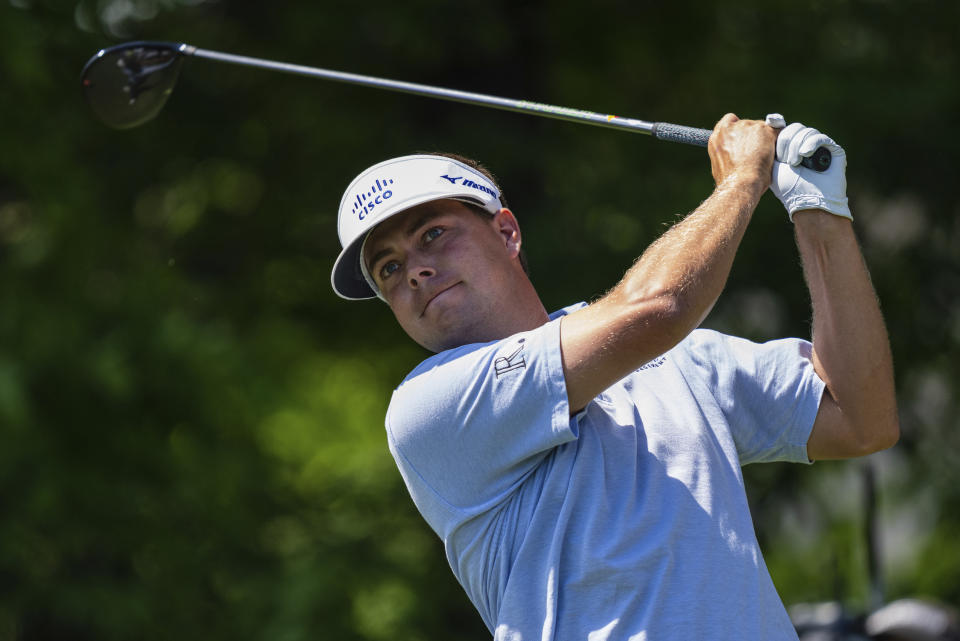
798 187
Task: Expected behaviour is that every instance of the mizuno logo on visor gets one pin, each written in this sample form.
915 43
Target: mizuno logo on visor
471 184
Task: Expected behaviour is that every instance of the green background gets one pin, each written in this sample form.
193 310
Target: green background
192 422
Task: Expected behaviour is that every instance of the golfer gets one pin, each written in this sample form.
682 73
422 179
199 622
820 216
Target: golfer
582 467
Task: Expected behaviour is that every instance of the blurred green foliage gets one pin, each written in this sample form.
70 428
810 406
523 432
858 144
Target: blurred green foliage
192 421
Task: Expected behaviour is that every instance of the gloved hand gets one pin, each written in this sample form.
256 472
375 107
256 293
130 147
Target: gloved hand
798 187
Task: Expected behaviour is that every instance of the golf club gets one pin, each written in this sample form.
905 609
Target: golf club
128 84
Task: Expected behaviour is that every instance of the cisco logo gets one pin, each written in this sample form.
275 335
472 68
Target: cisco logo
366 202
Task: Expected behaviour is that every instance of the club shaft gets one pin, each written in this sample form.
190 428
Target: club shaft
508 104
819 161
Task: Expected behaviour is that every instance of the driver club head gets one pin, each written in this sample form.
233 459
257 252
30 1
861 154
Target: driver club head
128 84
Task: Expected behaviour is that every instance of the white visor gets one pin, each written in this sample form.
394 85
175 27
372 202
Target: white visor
389 188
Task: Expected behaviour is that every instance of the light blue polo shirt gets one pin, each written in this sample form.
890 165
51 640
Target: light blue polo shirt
626 521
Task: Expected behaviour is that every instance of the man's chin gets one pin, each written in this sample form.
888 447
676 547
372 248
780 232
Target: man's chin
449 339
438 345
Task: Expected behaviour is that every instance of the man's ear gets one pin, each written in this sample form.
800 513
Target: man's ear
507 226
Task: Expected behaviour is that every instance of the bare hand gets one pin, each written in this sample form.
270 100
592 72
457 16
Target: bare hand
744 149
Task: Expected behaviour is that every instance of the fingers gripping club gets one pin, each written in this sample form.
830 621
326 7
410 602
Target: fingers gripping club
794 184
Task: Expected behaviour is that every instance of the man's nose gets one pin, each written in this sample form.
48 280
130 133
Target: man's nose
419 275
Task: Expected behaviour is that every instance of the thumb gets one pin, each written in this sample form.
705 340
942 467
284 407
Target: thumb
786 151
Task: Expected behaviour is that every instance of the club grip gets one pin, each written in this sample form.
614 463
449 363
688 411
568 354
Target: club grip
819 161
679 133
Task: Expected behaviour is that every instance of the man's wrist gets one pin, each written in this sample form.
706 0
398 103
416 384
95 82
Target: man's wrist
819 215
814 223
746 181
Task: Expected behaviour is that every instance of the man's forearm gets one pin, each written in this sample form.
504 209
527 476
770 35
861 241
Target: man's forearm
690 263
682 273
851 346
662 297
673 285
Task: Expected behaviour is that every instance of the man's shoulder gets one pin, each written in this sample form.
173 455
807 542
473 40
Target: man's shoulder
713 340
464 356
707 343
450 359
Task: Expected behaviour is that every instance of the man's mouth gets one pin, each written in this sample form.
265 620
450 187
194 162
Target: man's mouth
436 296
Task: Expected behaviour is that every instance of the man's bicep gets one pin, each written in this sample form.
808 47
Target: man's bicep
830 437
835 433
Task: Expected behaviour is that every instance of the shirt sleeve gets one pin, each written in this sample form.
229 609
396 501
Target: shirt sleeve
768 392
468 425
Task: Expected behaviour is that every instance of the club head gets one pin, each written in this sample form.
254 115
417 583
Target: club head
128 85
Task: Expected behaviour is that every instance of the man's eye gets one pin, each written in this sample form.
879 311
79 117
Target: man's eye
389 268
432 233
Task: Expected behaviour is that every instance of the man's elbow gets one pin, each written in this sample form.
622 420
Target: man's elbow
891 433
844 432
880 435
664 314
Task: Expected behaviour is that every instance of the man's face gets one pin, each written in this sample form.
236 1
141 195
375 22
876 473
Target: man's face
445 271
